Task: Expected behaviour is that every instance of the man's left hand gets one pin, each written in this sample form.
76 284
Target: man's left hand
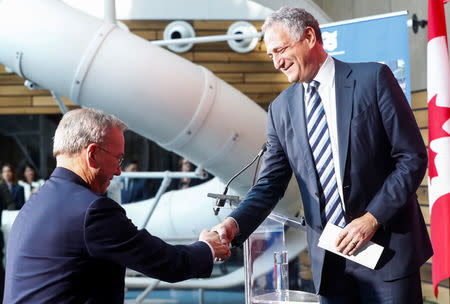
356 234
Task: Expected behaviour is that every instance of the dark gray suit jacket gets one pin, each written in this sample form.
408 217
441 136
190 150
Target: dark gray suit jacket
383 160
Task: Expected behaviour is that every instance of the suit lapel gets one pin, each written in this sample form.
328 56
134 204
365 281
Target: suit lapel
298 121
344 83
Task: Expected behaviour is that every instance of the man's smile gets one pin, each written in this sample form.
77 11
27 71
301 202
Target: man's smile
284 69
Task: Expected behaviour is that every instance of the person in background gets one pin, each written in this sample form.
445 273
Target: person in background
185 182
13 198
134 189
71 244
30 182
348 134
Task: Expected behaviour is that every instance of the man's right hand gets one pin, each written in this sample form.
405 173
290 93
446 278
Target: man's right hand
221 250
226 230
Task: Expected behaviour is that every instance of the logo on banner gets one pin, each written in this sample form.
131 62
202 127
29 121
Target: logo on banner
330 43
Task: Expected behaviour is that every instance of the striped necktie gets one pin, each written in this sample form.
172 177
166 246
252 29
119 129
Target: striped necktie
319 140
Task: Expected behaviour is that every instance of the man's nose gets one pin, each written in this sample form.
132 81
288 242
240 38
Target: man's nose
119 171
276 61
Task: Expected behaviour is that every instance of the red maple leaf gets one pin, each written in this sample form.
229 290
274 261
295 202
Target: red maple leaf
437 116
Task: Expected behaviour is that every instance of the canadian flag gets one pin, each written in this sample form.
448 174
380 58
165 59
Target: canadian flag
438 83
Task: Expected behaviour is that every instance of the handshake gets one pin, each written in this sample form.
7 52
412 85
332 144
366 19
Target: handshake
220 237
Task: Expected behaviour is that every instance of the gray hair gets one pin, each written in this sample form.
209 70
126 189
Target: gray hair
81 127
295 20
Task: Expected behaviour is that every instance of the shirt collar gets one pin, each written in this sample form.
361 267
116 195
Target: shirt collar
325 74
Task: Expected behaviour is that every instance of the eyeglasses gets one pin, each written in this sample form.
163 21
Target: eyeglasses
119 158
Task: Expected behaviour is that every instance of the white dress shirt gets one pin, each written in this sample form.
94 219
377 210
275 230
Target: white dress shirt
28 188
327 92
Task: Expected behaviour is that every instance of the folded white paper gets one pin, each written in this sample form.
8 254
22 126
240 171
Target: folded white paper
368 255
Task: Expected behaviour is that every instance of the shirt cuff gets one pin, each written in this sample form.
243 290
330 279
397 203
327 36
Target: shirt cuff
210 247
237 225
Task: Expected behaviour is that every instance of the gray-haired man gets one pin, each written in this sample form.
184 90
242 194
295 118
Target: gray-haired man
347 133
71 244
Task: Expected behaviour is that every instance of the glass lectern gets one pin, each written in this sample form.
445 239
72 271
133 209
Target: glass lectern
266 264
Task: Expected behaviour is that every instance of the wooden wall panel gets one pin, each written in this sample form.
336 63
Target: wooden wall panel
231 77
49 101
426 213
276 77
146 34
424 133
262 98
210 32
30 110
421 117
134 25
230 57
428 294
220 25
15 101
10 79
243 67
261 88
419 100
19 90
422 194
2 69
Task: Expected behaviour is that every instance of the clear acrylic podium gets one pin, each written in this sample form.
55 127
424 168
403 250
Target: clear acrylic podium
266 264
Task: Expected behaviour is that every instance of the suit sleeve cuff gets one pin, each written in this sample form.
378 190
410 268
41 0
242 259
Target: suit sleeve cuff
237 225
210 247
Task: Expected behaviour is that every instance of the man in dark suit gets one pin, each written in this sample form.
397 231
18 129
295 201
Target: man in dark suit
71 244
347 133
14 198
133 189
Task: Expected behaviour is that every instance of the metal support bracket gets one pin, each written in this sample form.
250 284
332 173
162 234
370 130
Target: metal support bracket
19 64
88 58
61 104
164 184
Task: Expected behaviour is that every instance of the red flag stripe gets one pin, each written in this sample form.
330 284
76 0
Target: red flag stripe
438 115
436 19
440 232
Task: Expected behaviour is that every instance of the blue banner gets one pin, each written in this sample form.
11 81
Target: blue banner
382 38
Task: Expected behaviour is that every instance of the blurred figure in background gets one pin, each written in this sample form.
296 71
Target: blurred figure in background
187 166
30 181
13 198
134 189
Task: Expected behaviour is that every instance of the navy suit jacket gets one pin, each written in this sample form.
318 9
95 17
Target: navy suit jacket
18 195
70 245
383 160
137 191
13 200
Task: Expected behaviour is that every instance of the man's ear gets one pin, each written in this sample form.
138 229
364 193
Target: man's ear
310 36
91 153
